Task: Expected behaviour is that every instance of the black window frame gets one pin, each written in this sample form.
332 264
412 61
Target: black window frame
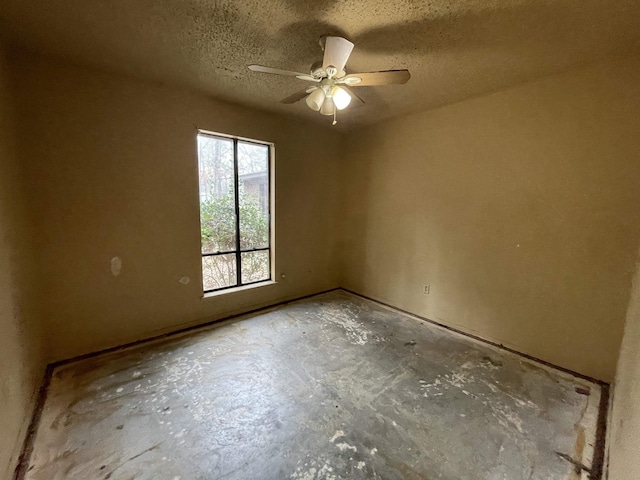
239 251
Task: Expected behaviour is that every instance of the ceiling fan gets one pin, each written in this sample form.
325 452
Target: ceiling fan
332 90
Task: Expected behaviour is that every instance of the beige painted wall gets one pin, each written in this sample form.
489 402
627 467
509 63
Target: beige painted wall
112 171
520 209
624 435
21 365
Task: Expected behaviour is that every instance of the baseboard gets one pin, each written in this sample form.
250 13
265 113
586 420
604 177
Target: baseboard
27 446
607 440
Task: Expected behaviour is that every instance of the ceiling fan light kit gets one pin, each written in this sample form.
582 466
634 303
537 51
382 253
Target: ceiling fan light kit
328 107
341 98
316 99
332 92
324 97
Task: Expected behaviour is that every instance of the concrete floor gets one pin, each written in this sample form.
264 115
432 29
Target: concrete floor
331 387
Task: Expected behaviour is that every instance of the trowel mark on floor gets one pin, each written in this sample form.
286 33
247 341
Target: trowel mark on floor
464 380
322 469
181 369
425 388
354 330
345 317
314 470
457 379
345 446
342 446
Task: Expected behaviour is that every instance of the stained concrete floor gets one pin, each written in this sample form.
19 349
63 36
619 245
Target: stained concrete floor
331 387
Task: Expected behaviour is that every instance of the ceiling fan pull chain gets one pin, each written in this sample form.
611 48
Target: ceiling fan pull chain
334 116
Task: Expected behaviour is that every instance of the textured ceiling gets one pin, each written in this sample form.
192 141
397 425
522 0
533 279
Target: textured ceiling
455 49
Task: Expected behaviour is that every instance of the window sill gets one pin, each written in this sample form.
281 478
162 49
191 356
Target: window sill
208 295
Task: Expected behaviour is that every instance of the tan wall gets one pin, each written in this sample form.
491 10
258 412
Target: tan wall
113 172
21 365
624 436
520 209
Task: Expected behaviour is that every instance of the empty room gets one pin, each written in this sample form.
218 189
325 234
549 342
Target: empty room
320 240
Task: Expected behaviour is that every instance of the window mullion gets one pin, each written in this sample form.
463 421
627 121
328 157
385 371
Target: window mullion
237 205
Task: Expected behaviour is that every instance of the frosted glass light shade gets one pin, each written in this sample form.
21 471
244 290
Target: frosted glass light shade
328 107
341 98
316 99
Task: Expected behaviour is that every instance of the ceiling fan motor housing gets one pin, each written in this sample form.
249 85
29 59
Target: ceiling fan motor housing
331 71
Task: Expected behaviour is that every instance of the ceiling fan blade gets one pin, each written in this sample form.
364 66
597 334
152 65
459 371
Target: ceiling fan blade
336 52
295 97
275 71
308 78
352 93
388 77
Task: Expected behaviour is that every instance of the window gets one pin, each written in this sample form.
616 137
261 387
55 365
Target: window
235 211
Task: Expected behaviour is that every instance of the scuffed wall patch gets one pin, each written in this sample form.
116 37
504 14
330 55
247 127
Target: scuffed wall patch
116 266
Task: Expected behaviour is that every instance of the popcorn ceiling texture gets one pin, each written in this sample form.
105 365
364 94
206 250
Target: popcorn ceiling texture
454 49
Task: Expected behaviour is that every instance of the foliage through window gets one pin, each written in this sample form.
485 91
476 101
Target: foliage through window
235 218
